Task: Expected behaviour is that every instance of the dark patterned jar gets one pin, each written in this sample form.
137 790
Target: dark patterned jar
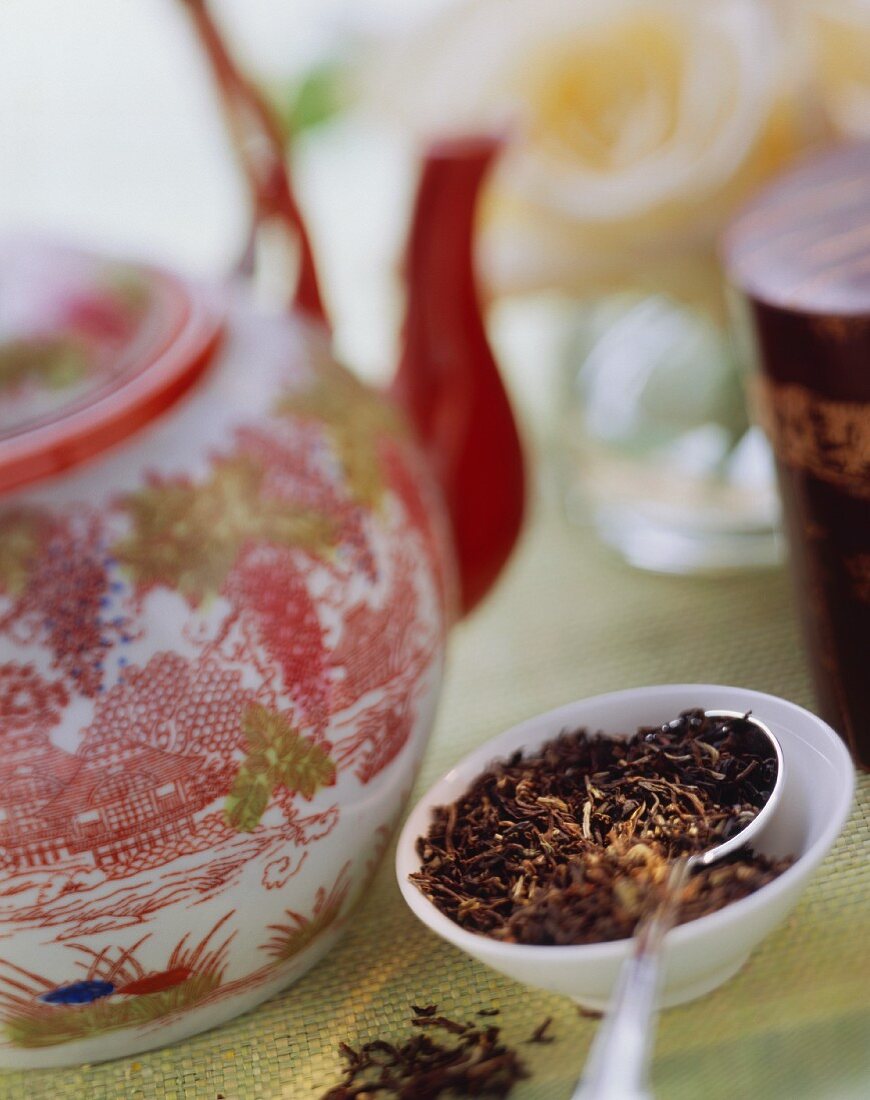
800 255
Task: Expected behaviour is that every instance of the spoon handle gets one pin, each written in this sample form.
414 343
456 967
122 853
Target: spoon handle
618 1063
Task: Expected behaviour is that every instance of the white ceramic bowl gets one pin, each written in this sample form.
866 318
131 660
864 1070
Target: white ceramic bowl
700 955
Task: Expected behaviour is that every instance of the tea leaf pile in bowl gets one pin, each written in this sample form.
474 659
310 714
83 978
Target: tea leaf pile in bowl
564 846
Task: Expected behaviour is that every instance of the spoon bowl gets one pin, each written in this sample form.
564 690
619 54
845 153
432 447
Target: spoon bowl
743 837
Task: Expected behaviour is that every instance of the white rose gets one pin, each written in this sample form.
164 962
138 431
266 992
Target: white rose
641 123
839 35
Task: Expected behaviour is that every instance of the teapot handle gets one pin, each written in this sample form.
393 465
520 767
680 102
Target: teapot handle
259 146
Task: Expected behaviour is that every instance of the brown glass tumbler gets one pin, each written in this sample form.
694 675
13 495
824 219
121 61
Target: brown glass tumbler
799 257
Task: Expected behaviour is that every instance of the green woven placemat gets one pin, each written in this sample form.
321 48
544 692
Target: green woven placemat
567 621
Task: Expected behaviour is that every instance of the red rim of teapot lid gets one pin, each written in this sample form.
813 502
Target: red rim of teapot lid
91 350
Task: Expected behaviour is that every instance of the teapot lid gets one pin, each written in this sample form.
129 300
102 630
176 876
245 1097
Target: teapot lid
91 349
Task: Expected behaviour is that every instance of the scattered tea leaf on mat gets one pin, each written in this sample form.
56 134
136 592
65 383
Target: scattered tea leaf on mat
540 1034
473 1062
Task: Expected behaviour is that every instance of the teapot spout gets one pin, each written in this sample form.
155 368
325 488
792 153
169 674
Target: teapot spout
447 380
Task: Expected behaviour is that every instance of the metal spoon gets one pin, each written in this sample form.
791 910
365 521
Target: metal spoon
618 1063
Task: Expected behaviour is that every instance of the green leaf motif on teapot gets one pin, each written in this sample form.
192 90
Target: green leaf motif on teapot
278 756
355 421
188 536
20 533
52 363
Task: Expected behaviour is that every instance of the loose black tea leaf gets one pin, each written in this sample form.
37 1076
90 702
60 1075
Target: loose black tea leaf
540 1034
565 846
473 1063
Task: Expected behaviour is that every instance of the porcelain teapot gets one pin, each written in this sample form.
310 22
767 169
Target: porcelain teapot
227 571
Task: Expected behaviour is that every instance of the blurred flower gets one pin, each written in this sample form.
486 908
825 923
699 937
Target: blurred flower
839 34
641 123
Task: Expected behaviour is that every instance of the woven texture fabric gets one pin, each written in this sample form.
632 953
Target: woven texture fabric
567 621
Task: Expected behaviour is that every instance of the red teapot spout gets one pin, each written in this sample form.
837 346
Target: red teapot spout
448 381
